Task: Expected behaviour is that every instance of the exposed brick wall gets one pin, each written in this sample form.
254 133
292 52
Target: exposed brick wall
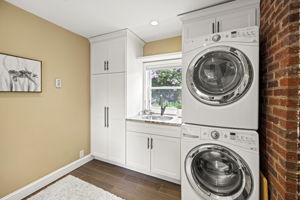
280 81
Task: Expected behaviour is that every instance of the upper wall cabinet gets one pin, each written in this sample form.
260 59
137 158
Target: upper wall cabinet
224 17
108 56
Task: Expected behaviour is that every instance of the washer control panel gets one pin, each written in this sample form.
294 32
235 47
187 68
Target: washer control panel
243 138
236 137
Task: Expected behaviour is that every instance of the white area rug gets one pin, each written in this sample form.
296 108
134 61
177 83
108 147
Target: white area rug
72 188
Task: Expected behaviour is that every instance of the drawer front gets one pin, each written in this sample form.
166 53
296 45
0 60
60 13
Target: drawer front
155 129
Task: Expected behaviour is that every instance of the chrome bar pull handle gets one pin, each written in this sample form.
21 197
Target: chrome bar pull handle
213 27
148 143
107 117
104 116
218 27
151 143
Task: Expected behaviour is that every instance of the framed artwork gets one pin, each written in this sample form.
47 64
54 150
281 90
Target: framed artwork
18 74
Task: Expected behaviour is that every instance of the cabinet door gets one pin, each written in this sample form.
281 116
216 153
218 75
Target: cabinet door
165 156
138 153
196 29
235 20
99 133
99 52
116 55
117 140
116 97
116 117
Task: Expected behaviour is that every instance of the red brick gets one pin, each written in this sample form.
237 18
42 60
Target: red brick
291 81
288 124
291 60
286 92
273 101
288 114
289 102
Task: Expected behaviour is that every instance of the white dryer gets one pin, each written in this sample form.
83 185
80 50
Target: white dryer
220 80
219 164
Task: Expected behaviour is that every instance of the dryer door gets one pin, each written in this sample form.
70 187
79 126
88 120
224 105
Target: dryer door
219 75
215 171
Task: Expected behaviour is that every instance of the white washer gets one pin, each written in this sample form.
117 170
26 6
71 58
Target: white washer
219 164
220 80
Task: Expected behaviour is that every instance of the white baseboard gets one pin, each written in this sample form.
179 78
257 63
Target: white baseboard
44 181
140 171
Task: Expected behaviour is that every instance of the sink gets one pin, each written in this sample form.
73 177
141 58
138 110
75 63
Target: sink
157 118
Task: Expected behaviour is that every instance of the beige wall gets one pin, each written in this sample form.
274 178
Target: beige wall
169 45
42 132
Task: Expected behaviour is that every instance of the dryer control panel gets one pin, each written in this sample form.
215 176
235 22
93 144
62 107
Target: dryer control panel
249 35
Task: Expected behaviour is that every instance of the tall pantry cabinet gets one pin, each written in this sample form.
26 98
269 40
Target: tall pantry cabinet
116 91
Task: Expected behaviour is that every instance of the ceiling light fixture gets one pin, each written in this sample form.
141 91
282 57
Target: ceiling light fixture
154 23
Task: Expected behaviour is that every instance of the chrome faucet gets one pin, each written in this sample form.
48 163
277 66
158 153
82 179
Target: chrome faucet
162 106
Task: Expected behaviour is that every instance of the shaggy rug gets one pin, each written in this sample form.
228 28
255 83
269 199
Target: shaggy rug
72 188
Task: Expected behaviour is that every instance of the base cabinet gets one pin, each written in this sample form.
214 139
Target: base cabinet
165 156
156 154
138 151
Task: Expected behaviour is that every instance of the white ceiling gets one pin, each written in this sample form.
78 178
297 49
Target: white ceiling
94 17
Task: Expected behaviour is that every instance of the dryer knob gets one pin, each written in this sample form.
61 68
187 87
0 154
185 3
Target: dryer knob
215 135
216 38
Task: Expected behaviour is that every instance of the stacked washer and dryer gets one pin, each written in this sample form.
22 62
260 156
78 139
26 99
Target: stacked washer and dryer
219 143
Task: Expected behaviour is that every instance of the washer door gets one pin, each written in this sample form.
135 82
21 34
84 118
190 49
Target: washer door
215 171
219 75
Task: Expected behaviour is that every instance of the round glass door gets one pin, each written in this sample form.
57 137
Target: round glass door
215 171
219 75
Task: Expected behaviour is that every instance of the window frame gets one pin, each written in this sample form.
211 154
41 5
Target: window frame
162 64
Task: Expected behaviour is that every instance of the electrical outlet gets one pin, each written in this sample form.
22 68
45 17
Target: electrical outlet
58 83
81 153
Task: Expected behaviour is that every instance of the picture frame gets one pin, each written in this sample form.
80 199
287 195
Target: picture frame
20 74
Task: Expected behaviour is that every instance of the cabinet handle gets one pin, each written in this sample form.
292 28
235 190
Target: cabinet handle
213 27
107 117
107 65
148 143
218 26
104 116
151 143
104 65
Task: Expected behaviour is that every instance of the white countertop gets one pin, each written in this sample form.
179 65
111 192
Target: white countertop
176 121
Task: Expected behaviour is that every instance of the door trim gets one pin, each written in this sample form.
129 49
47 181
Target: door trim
247 186
232 95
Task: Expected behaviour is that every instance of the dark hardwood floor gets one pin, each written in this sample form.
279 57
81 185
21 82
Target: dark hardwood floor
125 183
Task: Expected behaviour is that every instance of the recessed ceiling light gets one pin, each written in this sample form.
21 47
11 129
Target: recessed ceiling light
154 23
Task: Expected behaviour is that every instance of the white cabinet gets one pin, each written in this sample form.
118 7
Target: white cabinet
165 156
108 56
113 60
138 151
194 29
153 151
108 116
224 17
98 57
99 135
238 19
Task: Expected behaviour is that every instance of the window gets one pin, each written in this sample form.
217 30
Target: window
163 86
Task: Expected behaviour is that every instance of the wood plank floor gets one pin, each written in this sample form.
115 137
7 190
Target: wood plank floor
125 183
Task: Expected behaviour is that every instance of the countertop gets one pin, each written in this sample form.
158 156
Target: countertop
176 121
